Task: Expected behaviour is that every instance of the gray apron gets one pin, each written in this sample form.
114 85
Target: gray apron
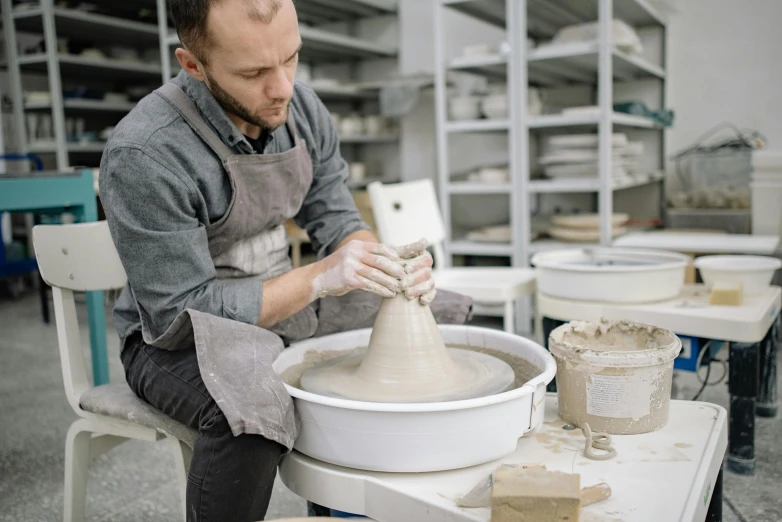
249 241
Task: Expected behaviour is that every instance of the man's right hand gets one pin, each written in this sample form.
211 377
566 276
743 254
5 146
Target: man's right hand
359 265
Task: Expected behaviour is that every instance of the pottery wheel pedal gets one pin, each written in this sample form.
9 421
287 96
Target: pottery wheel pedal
407 362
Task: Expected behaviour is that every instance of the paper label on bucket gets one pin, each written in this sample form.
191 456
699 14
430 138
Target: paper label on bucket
618 396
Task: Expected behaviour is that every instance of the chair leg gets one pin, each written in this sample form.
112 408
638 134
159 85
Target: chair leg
508 319
182 457
77 460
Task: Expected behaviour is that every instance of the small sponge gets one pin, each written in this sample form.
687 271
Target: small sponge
535 495
727 293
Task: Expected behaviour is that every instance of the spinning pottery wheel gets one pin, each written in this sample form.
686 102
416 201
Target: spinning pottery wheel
422 398
408 362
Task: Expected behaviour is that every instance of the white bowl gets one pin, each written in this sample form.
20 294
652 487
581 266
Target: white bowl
753 272
495 106
420 437
465 108
610 275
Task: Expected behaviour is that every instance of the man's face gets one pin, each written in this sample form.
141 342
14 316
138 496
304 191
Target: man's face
252 65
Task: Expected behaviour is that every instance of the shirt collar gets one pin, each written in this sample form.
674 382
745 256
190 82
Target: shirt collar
212 112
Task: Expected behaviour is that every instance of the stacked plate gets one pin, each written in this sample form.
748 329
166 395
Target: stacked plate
584 227
577 156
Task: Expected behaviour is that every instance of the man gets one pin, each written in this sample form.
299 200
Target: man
197 183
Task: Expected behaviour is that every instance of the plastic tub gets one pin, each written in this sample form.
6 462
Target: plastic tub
616 376
753 272
419 437
611 275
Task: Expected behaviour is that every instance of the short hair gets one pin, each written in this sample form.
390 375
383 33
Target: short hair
190 20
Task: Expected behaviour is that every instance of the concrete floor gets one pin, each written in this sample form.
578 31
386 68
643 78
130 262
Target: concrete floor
135 482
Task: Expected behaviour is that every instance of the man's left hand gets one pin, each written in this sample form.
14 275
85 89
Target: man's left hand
417 262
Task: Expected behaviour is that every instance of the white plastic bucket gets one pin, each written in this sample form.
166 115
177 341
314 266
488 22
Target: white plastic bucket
616 376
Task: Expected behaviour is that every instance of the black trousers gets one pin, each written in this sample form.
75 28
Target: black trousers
230 478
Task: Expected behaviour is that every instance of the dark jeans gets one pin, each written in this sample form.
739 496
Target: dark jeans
230 478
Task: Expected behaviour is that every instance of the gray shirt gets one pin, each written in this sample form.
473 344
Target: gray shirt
161 185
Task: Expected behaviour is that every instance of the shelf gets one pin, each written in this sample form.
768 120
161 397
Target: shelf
556 65
477 126
469 187
361 185
492 65
545 17
366 138
577 120
93 67
565 185
51 148
578 63
324 46
325 11
544 245
84 105
478 248
342 92
71 23
489 11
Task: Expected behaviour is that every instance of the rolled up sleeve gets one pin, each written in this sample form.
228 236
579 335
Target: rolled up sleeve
153 215
329 213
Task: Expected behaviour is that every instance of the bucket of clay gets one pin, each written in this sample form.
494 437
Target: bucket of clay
616 376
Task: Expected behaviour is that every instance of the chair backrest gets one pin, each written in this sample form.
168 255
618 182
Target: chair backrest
75 258
406 212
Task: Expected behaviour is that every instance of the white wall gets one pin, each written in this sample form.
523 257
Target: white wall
725 64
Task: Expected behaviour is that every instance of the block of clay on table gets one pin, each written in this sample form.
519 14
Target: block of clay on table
535 495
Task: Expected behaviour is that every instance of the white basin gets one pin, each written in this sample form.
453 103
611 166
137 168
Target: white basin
611 275
419 437
753 272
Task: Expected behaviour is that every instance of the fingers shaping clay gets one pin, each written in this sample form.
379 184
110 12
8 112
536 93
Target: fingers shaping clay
407 361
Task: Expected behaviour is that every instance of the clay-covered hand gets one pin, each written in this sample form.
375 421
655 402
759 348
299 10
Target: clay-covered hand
359 265
417 262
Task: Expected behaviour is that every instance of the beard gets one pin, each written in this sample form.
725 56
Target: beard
235 107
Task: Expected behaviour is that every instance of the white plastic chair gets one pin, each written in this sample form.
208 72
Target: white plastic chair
83 258
406 212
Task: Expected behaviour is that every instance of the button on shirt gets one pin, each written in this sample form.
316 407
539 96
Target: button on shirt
161 185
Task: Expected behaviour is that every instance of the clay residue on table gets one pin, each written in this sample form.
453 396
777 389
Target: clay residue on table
522 368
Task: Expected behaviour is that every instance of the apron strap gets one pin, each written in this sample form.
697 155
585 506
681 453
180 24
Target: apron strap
175 96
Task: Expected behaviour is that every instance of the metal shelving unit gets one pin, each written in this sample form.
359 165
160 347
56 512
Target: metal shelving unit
597 64
55 23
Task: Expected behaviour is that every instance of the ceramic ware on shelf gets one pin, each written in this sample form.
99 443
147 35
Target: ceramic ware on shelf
534 101
490 175
375 124
351 125
492 234
485 49
587 221
582 234
358 171
336 118
495 106
464 108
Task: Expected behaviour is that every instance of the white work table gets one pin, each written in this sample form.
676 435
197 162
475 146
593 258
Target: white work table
665 475
687 314
752 330
703 243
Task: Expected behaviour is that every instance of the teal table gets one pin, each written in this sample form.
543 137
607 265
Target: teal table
56 193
